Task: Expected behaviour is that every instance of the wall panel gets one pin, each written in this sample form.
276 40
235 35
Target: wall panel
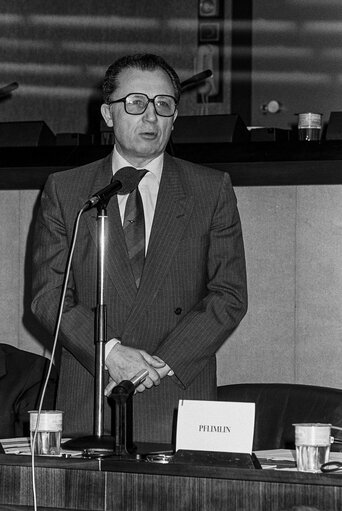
319 285
10 282
263 346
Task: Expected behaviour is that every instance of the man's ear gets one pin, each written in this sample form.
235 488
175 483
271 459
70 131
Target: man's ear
175 115
106 114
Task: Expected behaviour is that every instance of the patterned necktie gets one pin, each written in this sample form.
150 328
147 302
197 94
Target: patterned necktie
134 229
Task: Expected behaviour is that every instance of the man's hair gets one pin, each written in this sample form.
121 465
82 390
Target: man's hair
144 62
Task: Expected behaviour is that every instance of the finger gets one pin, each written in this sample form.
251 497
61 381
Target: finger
140 388
164 371
158 359
152 361
109 388
148 383
153 376
157 362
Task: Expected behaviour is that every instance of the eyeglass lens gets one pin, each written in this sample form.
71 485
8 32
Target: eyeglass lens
137 104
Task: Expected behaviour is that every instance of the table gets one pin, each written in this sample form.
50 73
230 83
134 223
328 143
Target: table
123 485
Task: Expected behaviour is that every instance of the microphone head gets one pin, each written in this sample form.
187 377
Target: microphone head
129 178
124 181
8 89
197 79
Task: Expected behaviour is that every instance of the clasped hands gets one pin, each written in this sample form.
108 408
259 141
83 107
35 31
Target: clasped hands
124 362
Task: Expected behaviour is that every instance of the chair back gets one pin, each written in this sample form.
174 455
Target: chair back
280 405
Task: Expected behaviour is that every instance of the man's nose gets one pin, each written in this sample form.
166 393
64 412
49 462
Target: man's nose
150 112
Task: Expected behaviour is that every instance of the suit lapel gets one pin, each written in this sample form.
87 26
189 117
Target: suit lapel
117 264
3 368
171 217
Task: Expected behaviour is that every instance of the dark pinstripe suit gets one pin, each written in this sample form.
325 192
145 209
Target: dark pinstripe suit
192 293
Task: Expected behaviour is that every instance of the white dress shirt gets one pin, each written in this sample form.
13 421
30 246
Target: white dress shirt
148 188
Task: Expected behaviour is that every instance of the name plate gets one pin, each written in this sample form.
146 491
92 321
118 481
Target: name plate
219 426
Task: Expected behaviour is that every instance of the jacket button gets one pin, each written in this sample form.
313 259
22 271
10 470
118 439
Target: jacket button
178 311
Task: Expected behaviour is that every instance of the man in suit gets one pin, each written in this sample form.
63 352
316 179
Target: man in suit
22 377
192 293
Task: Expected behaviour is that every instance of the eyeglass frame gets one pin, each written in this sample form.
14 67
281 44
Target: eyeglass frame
149 100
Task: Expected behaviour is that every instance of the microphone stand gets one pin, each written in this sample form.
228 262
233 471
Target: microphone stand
98 444
101 321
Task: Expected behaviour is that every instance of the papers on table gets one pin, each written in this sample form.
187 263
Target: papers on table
285 459
22 446
16 445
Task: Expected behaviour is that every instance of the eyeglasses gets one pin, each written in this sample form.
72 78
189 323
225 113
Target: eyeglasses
137 103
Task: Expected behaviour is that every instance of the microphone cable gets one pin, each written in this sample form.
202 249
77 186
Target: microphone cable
54 345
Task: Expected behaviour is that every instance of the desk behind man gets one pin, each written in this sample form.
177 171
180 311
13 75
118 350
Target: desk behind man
192 292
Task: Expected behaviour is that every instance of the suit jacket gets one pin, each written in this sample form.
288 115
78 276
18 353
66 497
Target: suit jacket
191 297
22 376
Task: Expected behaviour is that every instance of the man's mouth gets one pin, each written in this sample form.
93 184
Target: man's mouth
148 134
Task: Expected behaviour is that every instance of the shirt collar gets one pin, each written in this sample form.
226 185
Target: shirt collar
155 166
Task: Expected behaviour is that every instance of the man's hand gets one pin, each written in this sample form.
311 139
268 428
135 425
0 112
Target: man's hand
124 362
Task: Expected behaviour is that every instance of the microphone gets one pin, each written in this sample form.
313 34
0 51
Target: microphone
196 79
140 377
124 181
126 388
6 91
122 395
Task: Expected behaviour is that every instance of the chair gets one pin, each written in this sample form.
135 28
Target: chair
22 377
280 405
